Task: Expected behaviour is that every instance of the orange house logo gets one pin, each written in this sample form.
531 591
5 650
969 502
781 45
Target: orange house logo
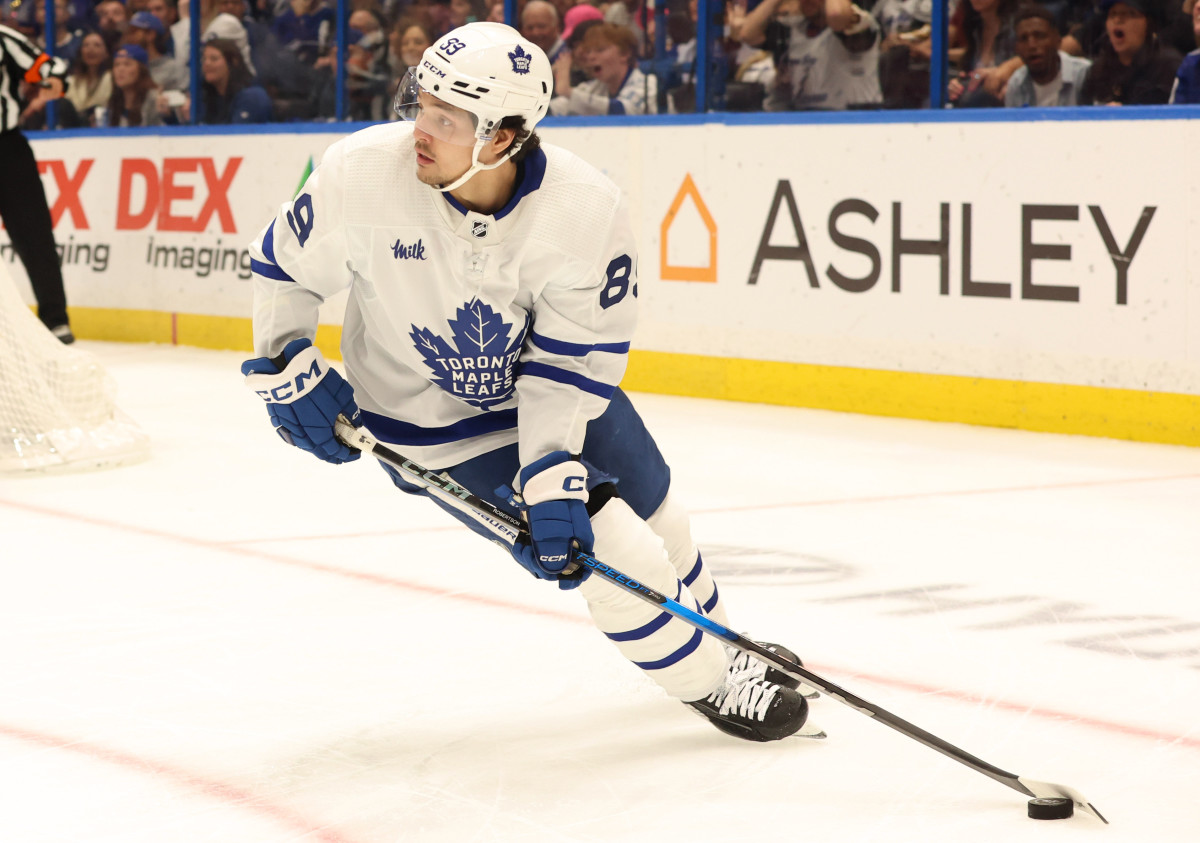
671 272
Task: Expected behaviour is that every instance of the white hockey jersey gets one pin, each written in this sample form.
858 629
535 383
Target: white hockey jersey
464 332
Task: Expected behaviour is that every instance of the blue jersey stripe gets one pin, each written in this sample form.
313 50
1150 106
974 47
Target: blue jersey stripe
270 270
642 631
576 349
543 370
675 657
397 432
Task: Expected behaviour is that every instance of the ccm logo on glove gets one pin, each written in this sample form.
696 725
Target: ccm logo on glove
304 381
305 396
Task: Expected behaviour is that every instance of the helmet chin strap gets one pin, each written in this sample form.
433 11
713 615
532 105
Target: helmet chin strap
476 166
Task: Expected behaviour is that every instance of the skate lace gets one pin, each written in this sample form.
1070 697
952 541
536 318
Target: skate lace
743 662
746 695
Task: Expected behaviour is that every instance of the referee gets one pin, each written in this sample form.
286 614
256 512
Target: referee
22 198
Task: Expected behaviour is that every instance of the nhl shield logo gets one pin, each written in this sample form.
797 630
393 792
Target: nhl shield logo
479 229
521 60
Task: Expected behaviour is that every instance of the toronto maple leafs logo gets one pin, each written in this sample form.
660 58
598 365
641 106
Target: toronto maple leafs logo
521 60
479 368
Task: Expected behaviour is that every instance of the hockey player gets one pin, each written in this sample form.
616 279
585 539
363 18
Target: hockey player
492 300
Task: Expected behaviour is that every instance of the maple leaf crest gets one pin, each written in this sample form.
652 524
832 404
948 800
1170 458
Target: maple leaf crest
477 365
521 61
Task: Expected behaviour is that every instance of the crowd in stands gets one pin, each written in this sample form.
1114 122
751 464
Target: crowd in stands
276 60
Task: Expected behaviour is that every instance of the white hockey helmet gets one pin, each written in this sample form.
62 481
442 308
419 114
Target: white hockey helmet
487 69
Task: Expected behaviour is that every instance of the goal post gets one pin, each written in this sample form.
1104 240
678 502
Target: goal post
57 407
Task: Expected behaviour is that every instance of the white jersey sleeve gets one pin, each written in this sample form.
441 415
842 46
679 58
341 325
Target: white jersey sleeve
577 349
299 259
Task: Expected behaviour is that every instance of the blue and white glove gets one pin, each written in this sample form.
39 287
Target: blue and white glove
554 491
304 399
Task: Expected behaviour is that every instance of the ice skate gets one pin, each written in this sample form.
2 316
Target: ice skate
748 707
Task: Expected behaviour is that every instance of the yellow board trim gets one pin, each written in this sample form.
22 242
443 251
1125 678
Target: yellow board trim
1164 417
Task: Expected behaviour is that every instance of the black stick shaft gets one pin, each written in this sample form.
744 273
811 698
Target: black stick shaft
509 527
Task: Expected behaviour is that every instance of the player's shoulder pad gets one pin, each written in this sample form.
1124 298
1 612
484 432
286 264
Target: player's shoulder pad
575 202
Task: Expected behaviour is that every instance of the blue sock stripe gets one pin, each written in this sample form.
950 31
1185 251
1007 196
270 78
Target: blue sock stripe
712 601
675 657
694 574
642 631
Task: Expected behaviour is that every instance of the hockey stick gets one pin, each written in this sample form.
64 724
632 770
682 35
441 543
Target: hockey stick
508 528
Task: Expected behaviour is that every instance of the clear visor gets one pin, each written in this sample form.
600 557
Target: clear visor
431 115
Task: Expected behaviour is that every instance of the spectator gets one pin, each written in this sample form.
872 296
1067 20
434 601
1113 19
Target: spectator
1084 28
166 11
90 81
229 28
496 11
541 25
181 32
988 56
411 36
287 81
1187 78
111 20
462 12
134 97
229 93
618 87
259 41
148 32
365 85
67 40
1049 76
579 19
905 51
366 21
1132 67
830 54
1175 26
303 28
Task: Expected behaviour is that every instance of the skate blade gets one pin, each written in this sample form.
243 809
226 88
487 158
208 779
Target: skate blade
811 731
808 691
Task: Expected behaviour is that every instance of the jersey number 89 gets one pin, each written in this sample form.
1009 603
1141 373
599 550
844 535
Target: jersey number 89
616 281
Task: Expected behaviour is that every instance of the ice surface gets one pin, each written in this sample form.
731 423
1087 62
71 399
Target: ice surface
235 642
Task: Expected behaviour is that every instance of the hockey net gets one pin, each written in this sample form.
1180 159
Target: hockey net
56 401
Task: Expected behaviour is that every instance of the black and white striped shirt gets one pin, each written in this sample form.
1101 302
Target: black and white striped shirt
21 61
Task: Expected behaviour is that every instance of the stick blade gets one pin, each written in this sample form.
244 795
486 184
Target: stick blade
1044 790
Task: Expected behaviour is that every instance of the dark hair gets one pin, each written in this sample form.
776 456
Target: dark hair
217 107
972 30
1035 10
239 75
529 138
78 68
130 109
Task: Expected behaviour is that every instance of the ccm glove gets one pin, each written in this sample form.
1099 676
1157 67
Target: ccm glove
304 396
554 491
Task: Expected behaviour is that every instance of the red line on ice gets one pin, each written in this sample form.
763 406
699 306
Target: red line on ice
211 788
491 602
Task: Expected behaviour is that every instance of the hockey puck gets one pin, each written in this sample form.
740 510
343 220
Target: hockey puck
1051 808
